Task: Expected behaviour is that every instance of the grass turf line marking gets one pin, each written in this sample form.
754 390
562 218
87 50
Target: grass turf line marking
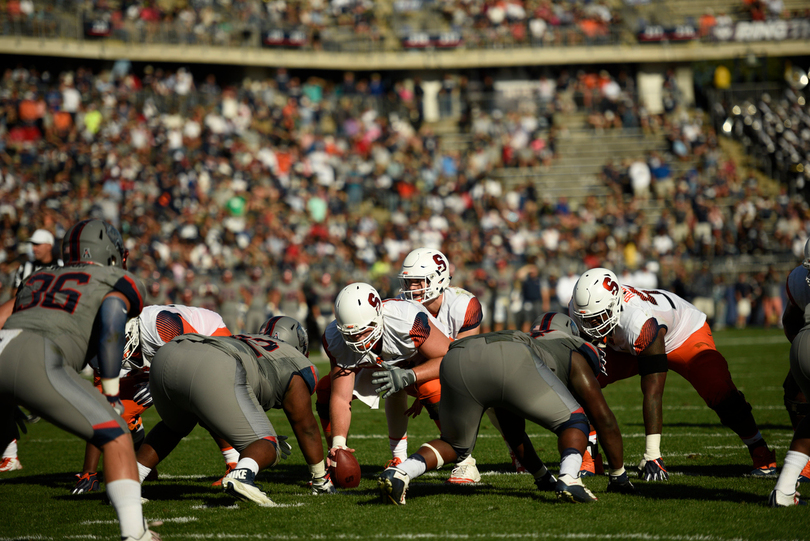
448 535
181 520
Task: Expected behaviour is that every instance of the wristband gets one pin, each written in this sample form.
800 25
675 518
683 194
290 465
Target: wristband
653 444
317 470
110 386
338 441
652 364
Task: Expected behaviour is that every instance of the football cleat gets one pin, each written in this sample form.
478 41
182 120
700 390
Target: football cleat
240 484
229 467
764 462
85 482
393 484
547 483
804 477
778 499
571 489
393 463
621 484
464 473
10 463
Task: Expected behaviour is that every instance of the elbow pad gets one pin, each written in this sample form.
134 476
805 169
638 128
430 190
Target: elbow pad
113 321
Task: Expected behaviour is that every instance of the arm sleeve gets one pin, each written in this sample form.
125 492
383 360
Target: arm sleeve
113 317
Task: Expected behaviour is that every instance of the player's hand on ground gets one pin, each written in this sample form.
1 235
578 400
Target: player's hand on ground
322 485
653 470
115 402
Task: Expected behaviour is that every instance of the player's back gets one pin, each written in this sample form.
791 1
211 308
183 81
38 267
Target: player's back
269 364
159 324
680 318
62 303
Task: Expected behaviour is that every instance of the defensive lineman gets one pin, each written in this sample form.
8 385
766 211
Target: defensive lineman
227 384
47 340
649 332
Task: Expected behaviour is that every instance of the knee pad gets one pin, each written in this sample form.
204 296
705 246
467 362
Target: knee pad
439 459
578 421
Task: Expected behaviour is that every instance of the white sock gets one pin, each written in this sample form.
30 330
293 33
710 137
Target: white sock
248 463
571 464
414 466
125 496
395 407
143 472
230 455
794 463
751 441
399 447
11 450
469 461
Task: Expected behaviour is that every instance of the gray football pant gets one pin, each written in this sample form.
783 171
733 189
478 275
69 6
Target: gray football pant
196 383
34 374
499 375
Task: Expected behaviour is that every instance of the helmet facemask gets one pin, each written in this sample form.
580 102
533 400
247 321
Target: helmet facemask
133 356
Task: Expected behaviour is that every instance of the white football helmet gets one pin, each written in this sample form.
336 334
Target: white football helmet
596 302
554 321
358 308
428 265
133 358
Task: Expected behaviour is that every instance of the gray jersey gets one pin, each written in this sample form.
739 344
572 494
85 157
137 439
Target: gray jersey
269 364
62 303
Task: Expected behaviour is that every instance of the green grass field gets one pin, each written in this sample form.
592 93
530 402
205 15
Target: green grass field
706 499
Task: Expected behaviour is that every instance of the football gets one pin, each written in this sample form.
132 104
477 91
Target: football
345 470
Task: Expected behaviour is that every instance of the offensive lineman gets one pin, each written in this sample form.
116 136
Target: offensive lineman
145 334
376 346
649 332
425 278
515 374
227 384
48 340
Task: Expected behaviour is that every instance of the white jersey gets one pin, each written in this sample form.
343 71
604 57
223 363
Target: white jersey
161 323
460 311
798 287
644 312
406 328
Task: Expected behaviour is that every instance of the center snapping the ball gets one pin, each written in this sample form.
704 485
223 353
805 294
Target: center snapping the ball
345 470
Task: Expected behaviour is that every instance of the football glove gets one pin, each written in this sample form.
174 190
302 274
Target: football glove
143 396
322 485
621 484
653 470
115 402
283 447
85 483
392 381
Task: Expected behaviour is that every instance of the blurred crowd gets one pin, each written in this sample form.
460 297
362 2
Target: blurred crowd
270 195
366 25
